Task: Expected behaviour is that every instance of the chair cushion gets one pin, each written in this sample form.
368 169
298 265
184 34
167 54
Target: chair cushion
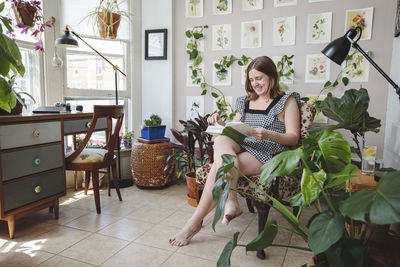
287 186
89 155
307 114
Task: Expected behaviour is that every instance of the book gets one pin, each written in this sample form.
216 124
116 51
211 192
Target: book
235 130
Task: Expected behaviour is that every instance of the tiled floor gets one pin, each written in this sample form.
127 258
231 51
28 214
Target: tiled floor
134 233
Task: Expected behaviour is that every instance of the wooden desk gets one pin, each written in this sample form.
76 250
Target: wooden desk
32 165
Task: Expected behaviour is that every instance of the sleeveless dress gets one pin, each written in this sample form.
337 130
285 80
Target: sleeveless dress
261 149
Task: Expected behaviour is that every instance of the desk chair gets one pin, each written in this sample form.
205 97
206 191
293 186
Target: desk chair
91 160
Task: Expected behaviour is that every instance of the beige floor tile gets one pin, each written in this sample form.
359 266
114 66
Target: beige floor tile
184 260
158 237
59 261
177 219
126 229
205 246
150 213
120 209
95 249
23 258
25 229
297 259
138 255
61 238
67 214
92 221
240 258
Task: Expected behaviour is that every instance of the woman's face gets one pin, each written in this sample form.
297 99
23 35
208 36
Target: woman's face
259 82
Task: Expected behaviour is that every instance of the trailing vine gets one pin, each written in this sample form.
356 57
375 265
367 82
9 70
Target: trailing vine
285 68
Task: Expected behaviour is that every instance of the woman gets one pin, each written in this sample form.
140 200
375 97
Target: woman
275 117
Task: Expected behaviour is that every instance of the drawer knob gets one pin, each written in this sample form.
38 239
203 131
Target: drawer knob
37 189
88 124
35 133
36 161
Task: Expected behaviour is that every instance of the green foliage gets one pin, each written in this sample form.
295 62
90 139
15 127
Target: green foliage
285 68
323 159
154 120
128 134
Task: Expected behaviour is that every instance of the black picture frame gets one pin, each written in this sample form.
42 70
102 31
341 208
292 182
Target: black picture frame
397 21
155 44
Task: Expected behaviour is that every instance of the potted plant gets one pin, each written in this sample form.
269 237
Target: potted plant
10 58
127 137
107 16
152 128
324 161
184 158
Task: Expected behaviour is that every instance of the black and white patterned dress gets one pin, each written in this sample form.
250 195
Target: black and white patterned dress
267 119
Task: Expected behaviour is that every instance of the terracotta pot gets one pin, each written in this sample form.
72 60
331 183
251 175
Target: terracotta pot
15 111
106 30
191 185
25 14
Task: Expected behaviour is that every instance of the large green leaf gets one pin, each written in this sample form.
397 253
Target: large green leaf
297 200
325 230
282 164
9 51
265 238
312 184
225 257
335 179
335 150
382 205
221 204
346 253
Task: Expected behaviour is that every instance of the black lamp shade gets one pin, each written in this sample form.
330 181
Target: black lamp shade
66 40
337 50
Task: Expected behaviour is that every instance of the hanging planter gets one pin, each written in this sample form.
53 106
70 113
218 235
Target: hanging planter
108 25
25 13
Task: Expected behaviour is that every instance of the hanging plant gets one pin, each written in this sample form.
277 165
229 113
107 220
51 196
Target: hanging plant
285 69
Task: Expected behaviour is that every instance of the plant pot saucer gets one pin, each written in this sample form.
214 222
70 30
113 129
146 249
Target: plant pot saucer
146 141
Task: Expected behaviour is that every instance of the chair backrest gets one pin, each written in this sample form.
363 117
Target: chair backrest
307 114
100 111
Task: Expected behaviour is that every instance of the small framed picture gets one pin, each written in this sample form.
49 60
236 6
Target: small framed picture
155 44
317 68
222 7
279 3
397 22
360 18
194 8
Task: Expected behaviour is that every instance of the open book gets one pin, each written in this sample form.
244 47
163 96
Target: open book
235 130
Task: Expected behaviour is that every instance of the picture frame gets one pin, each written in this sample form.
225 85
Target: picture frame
222 7
251 5
156 44
319 28
280 3
317 68
194 8
362 18
284 31
397 21
251 36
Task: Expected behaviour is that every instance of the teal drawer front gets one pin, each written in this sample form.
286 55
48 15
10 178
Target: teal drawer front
32 189
29 161
80 126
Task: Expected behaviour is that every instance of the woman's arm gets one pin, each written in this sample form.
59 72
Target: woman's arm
291 118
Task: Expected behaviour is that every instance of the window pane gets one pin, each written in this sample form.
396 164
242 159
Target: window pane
101 45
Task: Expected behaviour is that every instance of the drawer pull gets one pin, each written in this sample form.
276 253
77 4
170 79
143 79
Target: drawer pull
88 124
36 161
35 133
37 189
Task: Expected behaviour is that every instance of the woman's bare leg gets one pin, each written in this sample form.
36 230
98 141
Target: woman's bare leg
222 145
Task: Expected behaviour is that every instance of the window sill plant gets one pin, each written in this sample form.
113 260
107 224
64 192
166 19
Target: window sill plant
152 128
107 16
127 137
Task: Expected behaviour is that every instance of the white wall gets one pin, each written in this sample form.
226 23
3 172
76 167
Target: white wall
157 75
391 154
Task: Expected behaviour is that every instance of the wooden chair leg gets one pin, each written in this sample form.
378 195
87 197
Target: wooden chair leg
95 181
108 181
76 180
250 205
87 180
263 211
115 179
56 208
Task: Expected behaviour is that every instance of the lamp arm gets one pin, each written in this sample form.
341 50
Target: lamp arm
97 52
395 86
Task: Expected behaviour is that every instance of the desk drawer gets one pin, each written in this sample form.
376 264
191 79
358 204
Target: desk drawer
81 126
18 135
23 192
29 161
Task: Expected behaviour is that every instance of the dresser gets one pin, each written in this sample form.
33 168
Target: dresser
32 170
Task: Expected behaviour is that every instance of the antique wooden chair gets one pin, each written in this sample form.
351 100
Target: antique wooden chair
280 188
91 160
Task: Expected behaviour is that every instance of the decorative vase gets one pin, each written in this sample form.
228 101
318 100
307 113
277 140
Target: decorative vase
153 132
25 14
128 143
106 29
191 185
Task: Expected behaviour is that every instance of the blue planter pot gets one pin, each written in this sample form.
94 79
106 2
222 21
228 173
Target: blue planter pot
153 132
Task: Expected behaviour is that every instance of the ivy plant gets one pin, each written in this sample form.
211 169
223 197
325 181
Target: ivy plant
285 68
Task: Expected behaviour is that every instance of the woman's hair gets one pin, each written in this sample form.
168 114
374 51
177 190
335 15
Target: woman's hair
265 65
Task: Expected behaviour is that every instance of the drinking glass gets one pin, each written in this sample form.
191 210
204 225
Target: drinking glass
368 160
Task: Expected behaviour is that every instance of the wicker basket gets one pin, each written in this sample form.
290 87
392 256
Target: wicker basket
148 167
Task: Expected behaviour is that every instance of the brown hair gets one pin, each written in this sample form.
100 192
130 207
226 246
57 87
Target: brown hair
265 65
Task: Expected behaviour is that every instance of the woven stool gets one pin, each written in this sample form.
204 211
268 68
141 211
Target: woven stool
147 166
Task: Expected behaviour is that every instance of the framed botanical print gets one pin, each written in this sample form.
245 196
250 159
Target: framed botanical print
155 44
222 7
319 28
360 18
222 78
250 5
251 34
279 3
317 68
194 8
221 37
194 106
284 31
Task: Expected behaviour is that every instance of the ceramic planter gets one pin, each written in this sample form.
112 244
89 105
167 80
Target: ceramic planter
153 132
106 28
15 111
25 14
191 185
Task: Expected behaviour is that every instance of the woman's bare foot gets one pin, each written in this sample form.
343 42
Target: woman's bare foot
232 210
183 237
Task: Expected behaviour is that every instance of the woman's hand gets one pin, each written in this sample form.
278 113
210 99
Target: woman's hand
215 118
258 133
